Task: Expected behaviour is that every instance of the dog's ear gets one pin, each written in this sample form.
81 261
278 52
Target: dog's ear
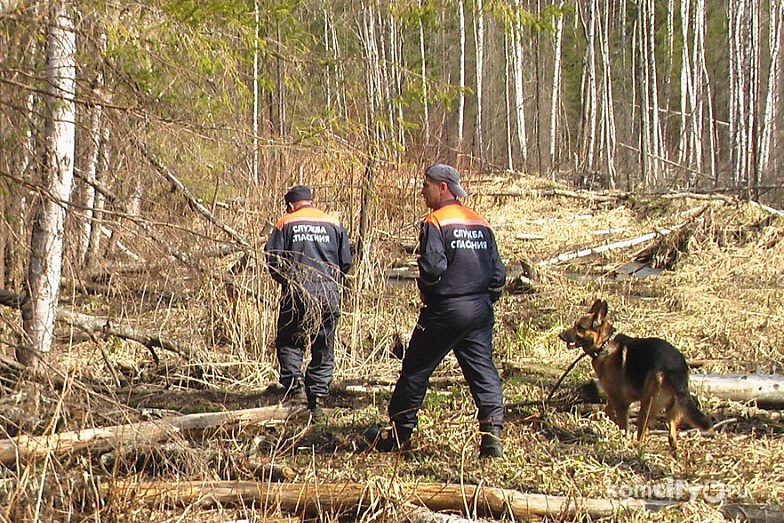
599 311
595 307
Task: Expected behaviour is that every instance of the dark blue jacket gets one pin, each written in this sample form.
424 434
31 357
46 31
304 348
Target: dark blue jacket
309 250
458 255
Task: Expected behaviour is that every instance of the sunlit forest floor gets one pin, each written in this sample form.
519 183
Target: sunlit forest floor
711 282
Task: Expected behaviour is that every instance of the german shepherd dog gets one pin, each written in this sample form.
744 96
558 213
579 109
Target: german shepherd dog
648 370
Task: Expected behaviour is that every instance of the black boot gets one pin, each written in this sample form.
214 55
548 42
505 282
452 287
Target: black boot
295 394
388 439
490 447
315 405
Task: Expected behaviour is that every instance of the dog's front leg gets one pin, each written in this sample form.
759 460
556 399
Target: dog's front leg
618 413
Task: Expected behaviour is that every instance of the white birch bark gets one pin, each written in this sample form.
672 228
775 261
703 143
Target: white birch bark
643 91
395 46
592 98
555 97
423 57
518 77
508 101
461 96
94 245
744 66
479 36
769 119
385 77
93 163
255 126
737 102
608 103
687 90
656 129
48 229
698 84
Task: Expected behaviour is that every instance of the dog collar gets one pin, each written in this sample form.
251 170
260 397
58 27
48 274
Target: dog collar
595 354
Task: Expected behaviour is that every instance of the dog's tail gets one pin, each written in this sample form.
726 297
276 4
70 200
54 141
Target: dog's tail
691 411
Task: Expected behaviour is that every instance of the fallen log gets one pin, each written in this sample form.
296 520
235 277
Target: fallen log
32 448
767 391
469 500
314 498
609 247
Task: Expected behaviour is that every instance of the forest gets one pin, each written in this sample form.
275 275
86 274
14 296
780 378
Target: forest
621 149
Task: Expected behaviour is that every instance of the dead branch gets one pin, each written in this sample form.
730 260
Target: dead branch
107 329
192 200
582 195
609 247
24 449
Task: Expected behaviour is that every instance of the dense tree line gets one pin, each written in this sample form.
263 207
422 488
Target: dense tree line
98 99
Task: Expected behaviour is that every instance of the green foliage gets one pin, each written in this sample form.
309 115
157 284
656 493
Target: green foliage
509 16
197 14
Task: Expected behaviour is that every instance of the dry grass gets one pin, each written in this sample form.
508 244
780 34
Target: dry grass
719 299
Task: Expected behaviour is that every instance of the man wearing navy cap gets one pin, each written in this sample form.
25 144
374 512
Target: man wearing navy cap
460 277
308 254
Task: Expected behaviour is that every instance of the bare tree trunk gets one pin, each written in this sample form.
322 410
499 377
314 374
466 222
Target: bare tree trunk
608 104
46 249
461 95
372 128
687 87
644 82
396 82
704 95
423 57
656 128
590 96
518 76
255 126
770 118
744 67
479 36
555 99
93 164
508 102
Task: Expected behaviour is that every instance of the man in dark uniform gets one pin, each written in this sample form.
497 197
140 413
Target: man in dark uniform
308 254
460 276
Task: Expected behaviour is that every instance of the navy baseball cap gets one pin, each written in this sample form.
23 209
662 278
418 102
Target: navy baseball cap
298 193
448 174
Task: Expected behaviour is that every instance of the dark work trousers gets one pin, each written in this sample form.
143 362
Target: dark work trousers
302 323
464 325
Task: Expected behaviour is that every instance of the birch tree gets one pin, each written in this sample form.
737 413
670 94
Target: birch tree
93 163
650 129
479 37
462 75
46 251
555 95
770 115
744 75
516 41
590 94
607 118
423 58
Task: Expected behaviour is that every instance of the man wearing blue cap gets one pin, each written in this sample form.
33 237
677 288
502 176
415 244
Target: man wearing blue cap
308 254
460 277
